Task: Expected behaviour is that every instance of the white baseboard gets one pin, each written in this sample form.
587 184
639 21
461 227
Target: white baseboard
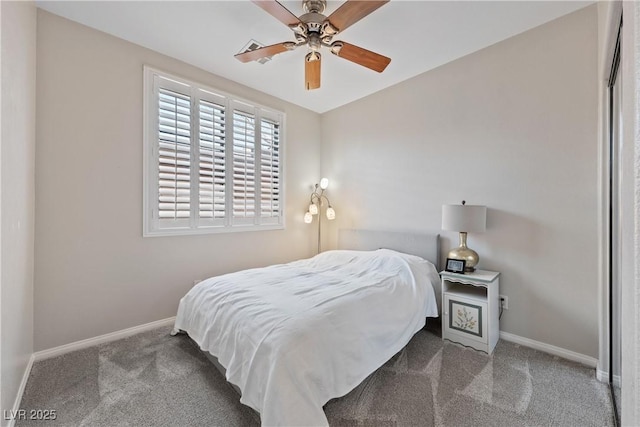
23 384
603 376
551 349
617 381
113 336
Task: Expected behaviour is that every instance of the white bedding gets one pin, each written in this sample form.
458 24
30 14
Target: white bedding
294 336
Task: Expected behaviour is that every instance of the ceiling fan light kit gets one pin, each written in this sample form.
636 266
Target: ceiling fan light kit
316 30
312 70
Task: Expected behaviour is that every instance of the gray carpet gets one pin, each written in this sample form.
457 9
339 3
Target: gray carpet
154 379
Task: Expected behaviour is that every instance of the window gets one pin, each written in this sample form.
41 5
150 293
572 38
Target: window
212 161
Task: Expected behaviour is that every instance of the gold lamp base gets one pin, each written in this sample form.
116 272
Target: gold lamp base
463 253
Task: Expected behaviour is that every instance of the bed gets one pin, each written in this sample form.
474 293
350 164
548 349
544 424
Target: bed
293 336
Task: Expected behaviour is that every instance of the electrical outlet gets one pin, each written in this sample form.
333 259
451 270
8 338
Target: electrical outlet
504 302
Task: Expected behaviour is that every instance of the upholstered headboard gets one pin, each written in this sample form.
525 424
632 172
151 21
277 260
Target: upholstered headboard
426 246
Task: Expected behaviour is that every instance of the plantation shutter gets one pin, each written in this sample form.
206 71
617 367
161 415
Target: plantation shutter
174 158
244 168
211 161
269 170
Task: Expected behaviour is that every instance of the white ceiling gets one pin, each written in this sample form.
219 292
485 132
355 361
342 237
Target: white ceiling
416 35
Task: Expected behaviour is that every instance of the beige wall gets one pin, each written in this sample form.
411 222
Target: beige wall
513 127
94 272
17 151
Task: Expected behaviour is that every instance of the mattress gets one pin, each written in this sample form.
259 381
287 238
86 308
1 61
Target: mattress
293 336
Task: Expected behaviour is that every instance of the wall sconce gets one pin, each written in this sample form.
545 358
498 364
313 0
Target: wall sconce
318 200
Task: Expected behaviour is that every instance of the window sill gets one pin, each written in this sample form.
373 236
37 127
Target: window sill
210 230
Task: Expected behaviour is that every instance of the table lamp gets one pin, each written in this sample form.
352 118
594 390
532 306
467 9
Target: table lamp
464 219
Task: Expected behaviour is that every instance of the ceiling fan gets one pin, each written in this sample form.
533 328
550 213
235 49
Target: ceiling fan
316 30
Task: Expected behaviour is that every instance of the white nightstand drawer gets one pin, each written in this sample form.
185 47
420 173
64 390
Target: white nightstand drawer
464 319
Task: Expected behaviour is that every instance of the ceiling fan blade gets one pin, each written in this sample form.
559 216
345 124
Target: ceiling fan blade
261 52
360 56
312 70
278 11
352 11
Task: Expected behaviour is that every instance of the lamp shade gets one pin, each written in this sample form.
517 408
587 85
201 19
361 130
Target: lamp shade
308 218
466 218
331 214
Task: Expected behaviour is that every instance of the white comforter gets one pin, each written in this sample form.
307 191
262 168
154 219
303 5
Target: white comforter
296 335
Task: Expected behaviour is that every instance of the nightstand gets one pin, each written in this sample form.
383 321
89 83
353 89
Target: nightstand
471 308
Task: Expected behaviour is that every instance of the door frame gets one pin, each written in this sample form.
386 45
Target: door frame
630 190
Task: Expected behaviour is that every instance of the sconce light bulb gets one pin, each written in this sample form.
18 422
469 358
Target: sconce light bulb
331 214
308 218
313 209
324 183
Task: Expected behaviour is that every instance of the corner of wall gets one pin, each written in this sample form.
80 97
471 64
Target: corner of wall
17 198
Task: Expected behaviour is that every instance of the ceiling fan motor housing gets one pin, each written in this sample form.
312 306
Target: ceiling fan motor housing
313 21
317 30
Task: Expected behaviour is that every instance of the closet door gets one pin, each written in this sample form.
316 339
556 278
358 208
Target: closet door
615 232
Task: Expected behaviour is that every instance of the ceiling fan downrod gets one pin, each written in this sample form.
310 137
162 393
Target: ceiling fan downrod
314 6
